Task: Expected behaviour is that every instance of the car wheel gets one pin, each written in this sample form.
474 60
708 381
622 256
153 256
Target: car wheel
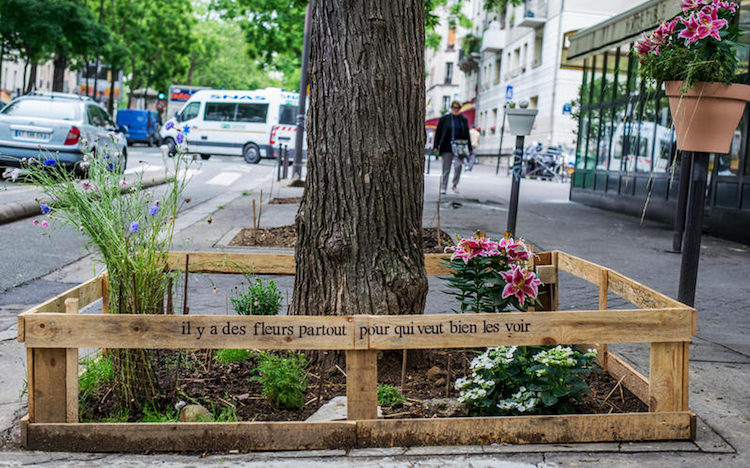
205 157
123 161
171 145
251 153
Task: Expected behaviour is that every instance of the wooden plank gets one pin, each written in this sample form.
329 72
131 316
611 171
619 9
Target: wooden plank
578 267
525 429
71 371
666 377
30 381
568 327
49 385
433 267
686 376
361 385
547 273
24 431
542 262
105 293
638 294
601 349
21 328
212 262
556 289
384 332
633 380
86 293
189 332
191 437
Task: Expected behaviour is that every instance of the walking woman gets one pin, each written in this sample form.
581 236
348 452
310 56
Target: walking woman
453 144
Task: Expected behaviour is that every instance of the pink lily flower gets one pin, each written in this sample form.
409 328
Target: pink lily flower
728 6
710 24
689 5
521 284
691 33
644 45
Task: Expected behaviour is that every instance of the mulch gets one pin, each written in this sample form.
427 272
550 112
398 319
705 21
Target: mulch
201 380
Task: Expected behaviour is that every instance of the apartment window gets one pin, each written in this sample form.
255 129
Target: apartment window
493 122
451 38
516 62
498 66
448 72
446 104
534 102
538 41
524 57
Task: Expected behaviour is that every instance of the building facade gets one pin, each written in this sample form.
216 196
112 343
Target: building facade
522 55
626 159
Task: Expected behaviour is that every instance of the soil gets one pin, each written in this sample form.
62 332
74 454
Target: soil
286 236
203 381
285 201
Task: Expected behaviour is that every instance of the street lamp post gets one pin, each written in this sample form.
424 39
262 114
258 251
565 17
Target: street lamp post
520 121
502 134
297 165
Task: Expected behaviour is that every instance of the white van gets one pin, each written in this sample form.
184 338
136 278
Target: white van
251 124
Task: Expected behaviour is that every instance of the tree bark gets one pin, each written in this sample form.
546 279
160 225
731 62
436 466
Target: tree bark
31 86
359 224
58 74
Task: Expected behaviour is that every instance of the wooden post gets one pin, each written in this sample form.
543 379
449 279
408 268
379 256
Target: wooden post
71 372
547 293
667 369
361 385
601 357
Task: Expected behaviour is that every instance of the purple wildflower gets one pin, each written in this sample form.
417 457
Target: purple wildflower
169 125
49 162
45 208
179 138
134 226
153 209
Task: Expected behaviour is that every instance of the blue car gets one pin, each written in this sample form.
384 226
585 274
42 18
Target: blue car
143 125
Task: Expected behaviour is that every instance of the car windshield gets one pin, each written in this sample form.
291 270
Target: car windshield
42 108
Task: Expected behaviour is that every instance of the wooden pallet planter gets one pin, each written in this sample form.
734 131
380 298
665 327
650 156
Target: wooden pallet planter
53 332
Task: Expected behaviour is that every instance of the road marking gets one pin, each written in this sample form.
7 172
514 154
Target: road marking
145 168
224 178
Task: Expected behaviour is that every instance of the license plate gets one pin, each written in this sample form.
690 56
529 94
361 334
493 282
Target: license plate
26 135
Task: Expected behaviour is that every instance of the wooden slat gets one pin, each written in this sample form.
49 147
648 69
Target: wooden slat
49 385
666 377
547 273
686 376
203 437
633 380
361 385
30 386
433 267
21 328
24 422
86 293
255 263
105 293
71 371
638 294
384 332
578 267
191 437
542 262
568 327
189 332
525 429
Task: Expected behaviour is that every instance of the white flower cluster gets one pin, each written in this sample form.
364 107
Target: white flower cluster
472 394
591 353
493 357
521 401
560 356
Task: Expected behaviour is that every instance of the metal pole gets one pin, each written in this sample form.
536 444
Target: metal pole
515 185
278 164
285 174
303 78
500 150
682 198
693 229
429 155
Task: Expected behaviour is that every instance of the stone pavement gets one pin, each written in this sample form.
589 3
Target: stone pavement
720 354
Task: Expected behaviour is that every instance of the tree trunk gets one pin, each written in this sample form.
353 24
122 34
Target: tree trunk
58 75
111 102
32 79
359 225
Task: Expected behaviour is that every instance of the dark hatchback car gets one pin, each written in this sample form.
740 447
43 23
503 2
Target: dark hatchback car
55 125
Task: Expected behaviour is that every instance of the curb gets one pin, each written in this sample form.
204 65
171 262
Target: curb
15 211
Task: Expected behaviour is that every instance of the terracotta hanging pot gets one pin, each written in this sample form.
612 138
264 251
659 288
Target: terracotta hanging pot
706 117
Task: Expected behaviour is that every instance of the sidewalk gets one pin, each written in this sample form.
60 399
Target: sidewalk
720 355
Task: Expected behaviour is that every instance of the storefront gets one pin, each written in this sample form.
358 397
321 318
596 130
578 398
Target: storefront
626 158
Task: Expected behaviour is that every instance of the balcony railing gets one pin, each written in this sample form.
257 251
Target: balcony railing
535 14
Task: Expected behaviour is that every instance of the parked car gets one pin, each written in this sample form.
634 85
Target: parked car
143 125
55 125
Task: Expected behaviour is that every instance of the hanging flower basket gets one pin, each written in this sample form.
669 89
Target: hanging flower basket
706 116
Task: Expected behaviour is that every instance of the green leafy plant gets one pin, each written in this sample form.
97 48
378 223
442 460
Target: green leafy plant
130 231
489 276
388 395
229 356
152 414
261 298
98 372
282 379
525 380
700 44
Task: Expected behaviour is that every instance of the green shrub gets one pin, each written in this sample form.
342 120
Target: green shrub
388 395
283 379
229 356
99 371
153 414
525 380
259 299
